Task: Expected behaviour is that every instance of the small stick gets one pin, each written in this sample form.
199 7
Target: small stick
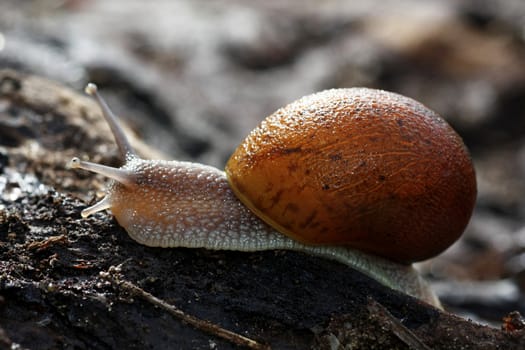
395 326
203 325
47 243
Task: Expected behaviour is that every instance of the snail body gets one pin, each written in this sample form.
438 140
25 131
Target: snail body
366 177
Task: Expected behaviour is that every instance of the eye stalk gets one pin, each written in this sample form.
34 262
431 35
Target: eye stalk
123 144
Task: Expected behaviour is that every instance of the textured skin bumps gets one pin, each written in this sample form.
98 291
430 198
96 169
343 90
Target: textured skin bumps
366 168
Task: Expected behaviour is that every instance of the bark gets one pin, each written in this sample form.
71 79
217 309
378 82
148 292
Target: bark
53 295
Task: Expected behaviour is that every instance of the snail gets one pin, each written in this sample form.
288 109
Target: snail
369 178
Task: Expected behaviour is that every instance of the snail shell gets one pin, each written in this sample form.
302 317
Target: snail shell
365 168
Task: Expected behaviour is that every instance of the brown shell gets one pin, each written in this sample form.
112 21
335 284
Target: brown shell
360 167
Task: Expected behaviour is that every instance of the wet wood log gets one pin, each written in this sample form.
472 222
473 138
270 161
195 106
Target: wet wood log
53 295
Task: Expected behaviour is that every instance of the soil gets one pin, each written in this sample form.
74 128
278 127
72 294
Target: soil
53 295
190 82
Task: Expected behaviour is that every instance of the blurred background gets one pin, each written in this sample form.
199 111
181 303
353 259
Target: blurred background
194 77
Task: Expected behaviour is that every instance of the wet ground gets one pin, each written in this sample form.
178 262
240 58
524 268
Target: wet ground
192 78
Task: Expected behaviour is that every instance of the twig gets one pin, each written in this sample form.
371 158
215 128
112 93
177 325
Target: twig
47 243
395 326
112 275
